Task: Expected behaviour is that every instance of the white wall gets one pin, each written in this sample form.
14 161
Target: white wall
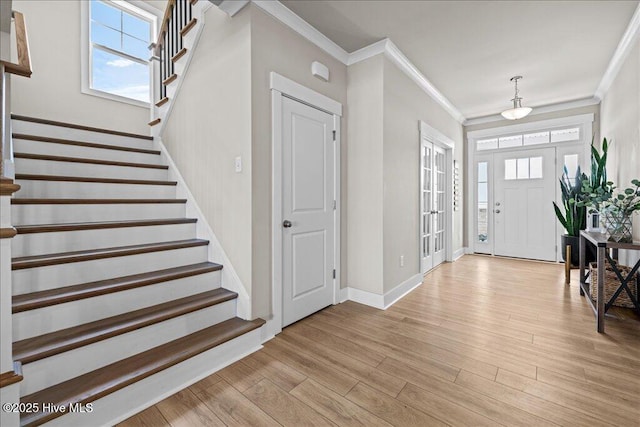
275 47
53 91
210 125
405 104
620 122
385 107
365 175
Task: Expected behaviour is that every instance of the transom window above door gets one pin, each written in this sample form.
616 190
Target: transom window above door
526 139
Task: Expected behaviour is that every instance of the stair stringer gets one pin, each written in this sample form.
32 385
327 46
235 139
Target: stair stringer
117 407
229 279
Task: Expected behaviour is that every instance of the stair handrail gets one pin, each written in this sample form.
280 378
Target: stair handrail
22 68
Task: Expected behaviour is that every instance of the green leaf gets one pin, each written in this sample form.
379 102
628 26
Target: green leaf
629 191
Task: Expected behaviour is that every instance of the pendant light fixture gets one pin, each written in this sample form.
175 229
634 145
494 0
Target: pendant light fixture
518 111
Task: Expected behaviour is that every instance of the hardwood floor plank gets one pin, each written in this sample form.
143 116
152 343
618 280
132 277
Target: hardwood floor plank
184 409
233 408
240 376
349 348
440 362
365 373
441 408
548 410
496 410
283 407
338 409
390 409
281 374
150 417
594 408
322 373
625 401
205 383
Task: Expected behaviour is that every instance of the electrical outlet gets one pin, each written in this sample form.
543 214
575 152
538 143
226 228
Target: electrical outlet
401 260
238 164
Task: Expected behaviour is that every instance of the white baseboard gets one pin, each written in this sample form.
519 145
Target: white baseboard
230 279
344 294
387 300
459 253
468 251
366 298
401 290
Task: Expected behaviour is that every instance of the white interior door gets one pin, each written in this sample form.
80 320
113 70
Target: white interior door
308 210
524 222
433 206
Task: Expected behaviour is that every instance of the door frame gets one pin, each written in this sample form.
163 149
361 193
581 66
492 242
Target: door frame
281 86
583 121
429 134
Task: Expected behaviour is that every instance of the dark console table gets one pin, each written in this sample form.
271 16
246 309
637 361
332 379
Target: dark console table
599 240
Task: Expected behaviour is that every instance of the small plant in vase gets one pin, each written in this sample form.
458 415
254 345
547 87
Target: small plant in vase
617 211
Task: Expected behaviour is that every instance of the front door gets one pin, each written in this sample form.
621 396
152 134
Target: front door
524 220
433 208
308 209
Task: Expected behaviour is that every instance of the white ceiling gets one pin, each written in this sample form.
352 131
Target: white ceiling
470 49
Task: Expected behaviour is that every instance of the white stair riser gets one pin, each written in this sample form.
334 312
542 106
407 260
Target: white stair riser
78 151
67 241
64 366
92 190
27 324
64 214
49 167
54 276
39 129
122 404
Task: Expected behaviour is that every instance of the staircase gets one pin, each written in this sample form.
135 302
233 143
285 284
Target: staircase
115 302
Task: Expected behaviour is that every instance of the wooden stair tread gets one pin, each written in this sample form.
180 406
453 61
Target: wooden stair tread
80 127
162 102
49 228
36 348
86 160
188 27
20 263
34 177
101 382
179 55
40 299
34 201
83 143
154 122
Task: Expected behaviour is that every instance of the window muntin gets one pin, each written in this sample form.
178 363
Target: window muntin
523 168
119 62
534 138
483 202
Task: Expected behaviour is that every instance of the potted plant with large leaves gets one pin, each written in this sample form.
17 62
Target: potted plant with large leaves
573 215
596 189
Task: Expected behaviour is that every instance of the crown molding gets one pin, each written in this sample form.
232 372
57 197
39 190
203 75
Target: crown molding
386 46
302 27
620 55
396 56
536 110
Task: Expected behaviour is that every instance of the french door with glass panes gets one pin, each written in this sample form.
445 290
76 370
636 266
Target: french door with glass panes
433 206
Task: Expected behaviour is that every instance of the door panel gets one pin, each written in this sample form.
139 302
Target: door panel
307 197
433 209
524 222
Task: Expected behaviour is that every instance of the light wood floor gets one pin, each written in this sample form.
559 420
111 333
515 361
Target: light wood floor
484 341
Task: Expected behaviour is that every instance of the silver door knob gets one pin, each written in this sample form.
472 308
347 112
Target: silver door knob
286 223
433 212
497 203
497 210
